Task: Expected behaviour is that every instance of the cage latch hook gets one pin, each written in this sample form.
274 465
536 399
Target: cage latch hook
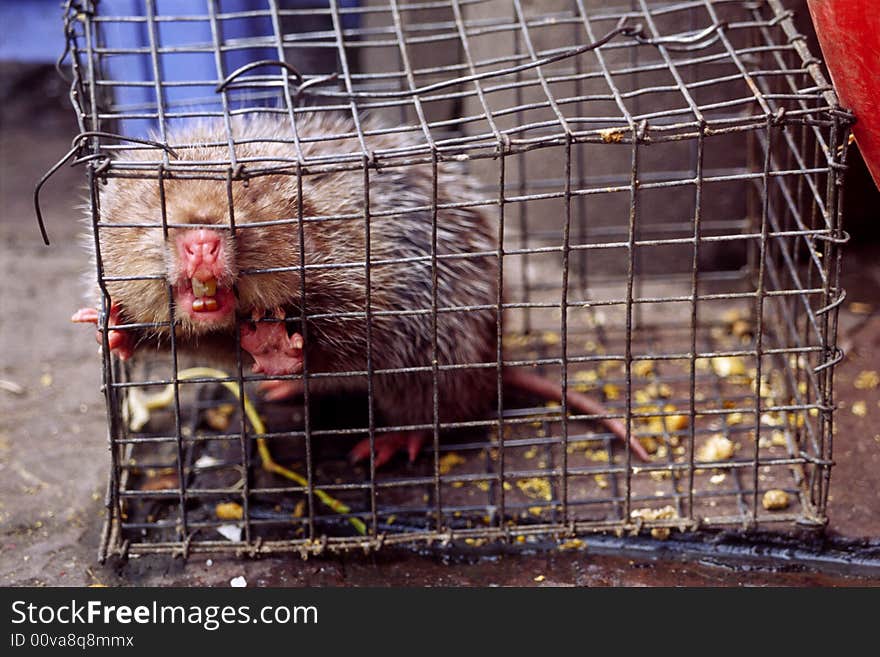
301 82
78 146
252 65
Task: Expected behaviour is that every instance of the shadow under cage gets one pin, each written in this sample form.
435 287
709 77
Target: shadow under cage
661 183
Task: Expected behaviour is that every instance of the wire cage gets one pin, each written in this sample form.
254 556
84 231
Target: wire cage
662 184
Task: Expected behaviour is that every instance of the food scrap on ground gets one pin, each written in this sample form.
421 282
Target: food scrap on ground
449 461
597 455
229 511
716 448
867 380
160 480
775 500
11 386
585 380
536 488
551 338
663 513
230 532
206 461
728 366
611 391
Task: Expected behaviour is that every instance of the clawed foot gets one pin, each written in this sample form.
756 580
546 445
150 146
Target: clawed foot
273 351
387 445
120 342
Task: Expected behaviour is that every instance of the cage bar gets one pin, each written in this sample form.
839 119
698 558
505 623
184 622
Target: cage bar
662 183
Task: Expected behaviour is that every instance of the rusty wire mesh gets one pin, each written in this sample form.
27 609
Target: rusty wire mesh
664 182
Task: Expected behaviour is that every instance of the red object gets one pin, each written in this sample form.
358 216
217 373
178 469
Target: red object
273 350
849 33
119 342
388 444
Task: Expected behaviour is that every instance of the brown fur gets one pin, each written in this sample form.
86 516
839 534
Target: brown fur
333 345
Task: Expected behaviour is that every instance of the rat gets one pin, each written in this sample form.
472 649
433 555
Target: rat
206 273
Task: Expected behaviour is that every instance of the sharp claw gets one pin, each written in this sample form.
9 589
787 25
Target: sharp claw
414 445
387 445
296 341
383 456
358 453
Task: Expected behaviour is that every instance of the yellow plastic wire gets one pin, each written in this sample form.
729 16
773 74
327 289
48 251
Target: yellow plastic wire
269 464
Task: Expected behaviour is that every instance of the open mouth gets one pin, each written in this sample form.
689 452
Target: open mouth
204 300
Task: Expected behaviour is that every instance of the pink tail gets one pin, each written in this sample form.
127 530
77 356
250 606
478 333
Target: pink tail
550 391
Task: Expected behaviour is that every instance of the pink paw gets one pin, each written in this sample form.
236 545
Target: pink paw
273 351
120 342
279 390
387 445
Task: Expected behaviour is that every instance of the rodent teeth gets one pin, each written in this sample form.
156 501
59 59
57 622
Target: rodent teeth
206 288
205 305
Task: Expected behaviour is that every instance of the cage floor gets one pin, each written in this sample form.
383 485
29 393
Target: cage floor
486 485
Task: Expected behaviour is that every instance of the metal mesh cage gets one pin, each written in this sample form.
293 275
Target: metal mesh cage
662 180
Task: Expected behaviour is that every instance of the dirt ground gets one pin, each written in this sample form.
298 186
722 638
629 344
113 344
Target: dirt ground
53 450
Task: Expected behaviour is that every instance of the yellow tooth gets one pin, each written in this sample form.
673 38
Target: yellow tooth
205 305
206 288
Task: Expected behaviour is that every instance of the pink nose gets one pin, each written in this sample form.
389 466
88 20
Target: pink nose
201 253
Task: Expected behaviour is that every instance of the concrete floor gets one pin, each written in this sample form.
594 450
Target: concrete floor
53 451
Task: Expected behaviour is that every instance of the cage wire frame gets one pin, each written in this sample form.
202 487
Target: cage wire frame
783 119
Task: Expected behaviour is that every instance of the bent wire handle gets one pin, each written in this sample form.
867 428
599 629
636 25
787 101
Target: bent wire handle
302 84
77 145
633 31
252 65
625 30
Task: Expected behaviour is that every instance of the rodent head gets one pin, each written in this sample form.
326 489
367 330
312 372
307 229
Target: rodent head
202 260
